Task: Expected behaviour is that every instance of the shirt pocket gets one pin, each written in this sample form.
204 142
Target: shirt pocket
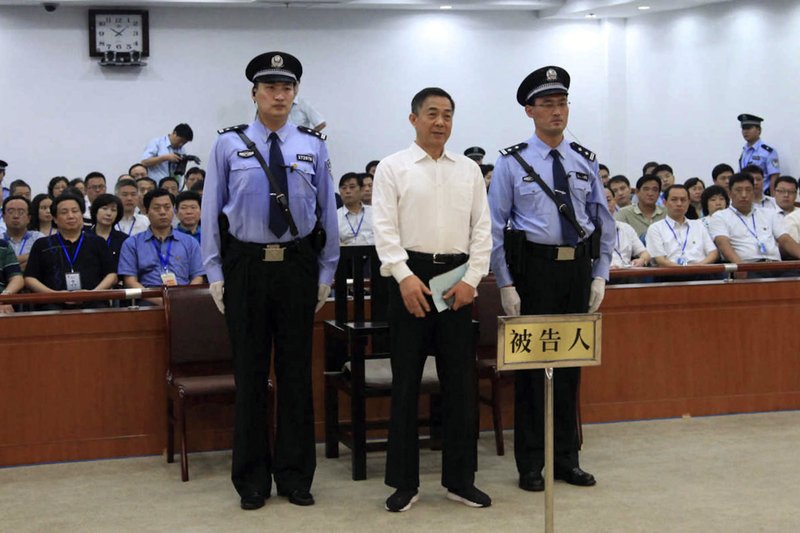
302 180
247 177
579 189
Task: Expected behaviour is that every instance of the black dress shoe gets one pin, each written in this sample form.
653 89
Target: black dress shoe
531 481
253 501
298 497
576 476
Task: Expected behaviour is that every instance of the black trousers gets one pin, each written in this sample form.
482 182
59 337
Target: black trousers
549 287
447 335
268 303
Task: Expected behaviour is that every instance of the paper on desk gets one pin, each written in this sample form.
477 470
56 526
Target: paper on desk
444 282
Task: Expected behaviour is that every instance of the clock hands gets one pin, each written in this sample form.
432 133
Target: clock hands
120 32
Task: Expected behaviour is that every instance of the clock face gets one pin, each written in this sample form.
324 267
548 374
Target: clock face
118 31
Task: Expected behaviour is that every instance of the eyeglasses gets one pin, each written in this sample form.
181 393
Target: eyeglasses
21 212
549 106
785 191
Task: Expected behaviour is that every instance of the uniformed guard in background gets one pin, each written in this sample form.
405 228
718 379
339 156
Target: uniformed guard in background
755 152
267 205
548 263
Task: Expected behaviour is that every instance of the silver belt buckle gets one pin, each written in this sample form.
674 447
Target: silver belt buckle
273 253
436 261
565 253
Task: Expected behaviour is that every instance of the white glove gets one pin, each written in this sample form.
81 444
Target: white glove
322 295
217 289
509 298
596 293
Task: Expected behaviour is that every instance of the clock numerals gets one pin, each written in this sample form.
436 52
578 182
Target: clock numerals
119 31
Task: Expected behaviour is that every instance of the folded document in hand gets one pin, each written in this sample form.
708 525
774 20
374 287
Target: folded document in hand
442 283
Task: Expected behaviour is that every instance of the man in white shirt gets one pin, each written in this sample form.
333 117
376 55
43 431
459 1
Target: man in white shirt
785 195
132 222
355 218
676 240
628 249
744 234
431 217
759 199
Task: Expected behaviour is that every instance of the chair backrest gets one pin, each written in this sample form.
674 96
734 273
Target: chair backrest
196 329
361 264
487 308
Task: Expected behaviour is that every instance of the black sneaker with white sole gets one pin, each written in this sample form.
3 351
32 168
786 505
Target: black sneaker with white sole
401 500
471 497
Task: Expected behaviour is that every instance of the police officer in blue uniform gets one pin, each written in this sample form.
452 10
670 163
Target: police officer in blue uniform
755 152
546 264
267 281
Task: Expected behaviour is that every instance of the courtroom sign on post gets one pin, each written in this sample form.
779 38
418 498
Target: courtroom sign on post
548 341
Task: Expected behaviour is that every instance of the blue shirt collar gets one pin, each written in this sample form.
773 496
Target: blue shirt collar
148 234
263 133
543 150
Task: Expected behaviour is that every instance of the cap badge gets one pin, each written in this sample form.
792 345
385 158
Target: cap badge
277 61
552 75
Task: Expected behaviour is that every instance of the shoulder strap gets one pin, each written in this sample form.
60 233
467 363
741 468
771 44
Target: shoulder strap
315 133
563 208
280 197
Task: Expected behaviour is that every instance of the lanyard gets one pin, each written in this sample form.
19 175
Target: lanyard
164 260
72 259
133 223
616 248
685 239
355 230
22 246
753 231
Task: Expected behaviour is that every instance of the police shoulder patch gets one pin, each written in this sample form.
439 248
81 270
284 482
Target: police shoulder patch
511 149
240 127
585 152
767 148
315 133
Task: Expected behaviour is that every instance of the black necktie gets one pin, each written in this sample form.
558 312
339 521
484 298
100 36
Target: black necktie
277 222
560 186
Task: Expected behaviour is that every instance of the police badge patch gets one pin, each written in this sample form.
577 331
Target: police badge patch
308 158
245 153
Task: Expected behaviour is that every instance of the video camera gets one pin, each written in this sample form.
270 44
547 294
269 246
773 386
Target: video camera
180 167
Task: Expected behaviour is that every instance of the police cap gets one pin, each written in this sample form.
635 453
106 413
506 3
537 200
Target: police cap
3 165
475 152
543 82
749 120
274 66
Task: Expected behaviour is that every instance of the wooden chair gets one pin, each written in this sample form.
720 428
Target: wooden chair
357 361
200 362
487 308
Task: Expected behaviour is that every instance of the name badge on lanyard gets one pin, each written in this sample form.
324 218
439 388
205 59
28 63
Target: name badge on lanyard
167 278
72 279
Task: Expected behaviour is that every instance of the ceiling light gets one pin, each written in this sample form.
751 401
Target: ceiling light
643 8
591 16
445 7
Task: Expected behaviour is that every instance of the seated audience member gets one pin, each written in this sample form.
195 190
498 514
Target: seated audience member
355 218
79 184
366 188
160 256
628 249
71 259
645 212
131 223
41 218
759 199
746 234
20 188
17 217
145 185
193 175
57 185
695 186
371 166
198 187
621 188
677 240
720 175
137 171
4 190
785 195
714 198
95 186
487 170
169 184
11 281
106 213
604 173
187 208
648 168
665 174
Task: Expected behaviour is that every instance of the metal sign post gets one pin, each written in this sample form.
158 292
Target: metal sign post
548 342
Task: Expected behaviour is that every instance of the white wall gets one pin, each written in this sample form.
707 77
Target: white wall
64 114
660 86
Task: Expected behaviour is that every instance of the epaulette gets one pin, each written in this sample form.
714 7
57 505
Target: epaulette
315 133
588 154
240 127
767 148
511 149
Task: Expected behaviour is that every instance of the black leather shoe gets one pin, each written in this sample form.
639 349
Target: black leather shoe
531 481
298 497
576 476
253 501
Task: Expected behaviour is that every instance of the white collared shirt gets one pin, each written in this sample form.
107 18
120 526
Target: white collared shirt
767 202
747 232
627 246
430 206
355 228
134 225
674 240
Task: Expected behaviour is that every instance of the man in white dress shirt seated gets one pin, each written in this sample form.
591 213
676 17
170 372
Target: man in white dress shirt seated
355 218
131 223
628 249
759 199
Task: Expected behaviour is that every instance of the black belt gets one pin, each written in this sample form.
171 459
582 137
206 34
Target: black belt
439 259
557 253
269 253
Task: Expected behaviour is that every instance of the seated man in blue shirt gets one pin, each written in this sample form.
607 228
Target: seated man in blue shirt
187 207
160 256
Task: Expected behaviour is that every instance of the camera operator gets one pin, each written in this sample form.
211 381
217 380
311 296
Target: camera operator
163 154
